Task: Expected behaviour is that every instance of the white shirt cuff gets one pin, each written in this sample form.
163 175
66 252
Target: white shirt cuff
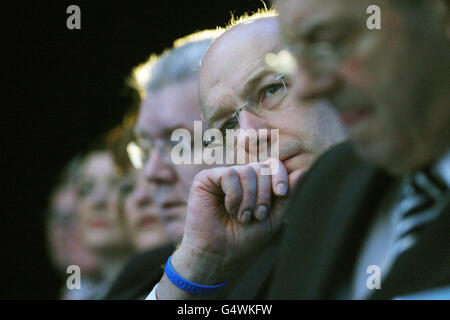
152 295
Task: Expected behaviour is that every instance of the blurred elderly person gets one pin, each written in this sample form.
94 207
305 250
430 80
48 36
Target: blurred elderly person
168 85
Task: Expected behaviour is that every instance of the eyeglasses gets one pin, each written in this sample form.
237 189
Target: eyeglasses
323 52
261 103
319 57
139 150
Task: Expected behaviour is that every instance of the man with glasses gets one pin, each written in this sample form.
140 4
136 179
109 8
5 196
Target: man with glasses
168 85
240 90
233 210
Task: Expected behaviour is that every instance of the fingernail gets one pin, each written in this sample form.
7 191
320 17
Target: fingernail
246 216
261 213
282 189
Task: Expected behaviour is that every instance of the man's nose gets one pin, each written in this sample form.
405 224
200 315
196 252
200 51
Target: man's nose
254 130
157 170
310 85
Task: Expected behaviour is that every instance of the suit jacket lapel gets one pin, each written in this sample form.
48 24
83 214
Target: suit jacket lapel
348 225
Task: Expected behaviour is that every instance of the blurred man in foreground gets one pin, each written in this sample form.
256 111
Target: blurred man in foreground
385 234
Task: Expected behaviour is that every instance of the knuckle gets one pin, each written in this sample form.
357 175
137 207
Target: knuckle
199 179
248 173
230 173
202 174
264 196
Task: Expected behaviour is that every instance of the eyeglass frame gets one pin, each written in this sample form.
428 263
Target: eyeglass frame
147 152
245 106
326 55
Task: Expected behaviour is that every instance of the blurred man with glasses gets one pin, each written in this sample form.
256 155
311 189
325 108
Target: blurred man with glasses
168 86
390 88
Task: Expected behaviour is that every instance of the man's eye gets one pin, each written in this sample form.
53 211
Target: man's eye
272 90
326 37
334 38
126 188
271 96
231 124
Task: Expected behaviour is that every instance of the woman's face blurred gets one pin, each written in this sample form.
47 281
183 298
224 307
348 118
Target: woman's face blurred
141 217
98 192
66 247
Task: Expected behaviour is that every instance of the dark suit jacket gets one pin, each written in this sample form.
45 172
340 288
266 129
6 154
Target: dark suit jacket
252 278
328 219
140 275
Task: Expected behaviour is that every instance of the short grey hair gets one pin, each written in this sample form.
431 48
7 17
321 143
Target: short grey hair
174 65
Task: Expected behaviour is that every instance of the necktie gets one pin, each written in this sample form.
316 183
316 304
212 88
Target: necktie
421 201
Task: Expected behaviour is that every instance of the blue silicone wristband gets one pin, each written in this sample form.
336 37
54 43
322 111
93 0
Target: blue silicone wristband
187 285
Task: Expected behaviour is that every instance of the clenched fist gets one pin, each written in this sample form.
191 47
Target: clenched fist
232 211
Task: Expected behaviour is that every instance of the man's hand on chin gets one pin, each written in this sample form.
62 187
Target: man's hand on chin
232 211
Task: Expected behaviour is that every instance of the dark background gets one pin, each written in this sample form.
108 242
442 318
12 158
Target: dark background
64 88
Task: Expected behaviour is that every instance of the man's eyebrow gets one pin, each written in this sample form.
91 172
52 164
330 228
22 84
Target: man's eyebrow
250 84
216 116
167 132
311 30
254 80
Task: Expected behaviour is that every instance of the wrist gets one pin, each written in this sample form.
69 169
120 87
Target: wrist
199 266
